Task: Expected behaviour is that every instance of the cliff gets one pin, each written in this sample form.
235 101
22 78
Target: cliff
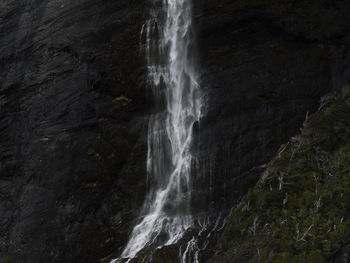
72 127
74 106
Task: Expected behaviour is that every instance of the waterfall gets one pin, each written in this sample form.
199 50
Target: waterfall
166 212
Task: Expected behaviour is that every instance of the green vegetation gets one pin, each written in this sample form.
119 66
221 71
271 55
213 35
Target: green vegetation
299 211
7 260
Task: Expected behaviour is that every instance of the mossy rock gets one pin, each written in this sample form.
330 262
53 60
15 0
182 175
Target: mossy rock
7 260
298 212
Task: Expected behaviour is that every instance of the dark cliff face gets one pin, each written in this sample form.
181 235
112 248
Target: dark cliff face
264 65
74 110
72 127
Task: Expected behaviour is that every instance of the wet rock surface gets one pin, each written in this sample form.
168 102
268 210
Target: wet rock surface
74 107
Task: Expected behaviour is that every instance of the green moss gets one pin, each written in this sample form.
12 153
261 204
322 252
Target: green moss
298 211
7 260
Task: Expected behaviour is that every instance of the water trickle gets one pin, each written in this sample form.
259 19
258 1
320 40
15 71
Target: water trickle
166 212
191 253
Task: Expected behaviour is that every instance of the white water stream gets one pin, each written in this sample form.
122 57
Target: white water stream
166 212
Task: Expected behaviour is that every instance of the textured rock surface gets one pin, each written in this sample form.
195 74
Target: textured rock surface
74 107
72 127
264 66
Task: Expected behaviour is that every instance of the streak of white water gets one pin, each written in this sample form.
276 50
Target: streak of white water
200 240
166 213
191 253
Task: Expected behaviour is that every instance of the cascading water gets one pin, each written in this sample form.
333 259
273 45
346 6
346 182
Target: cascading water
166 213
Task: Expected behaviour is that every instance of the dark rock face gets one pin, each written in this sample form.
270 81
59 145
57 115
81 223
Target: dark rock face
74 109
264 65
72 127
